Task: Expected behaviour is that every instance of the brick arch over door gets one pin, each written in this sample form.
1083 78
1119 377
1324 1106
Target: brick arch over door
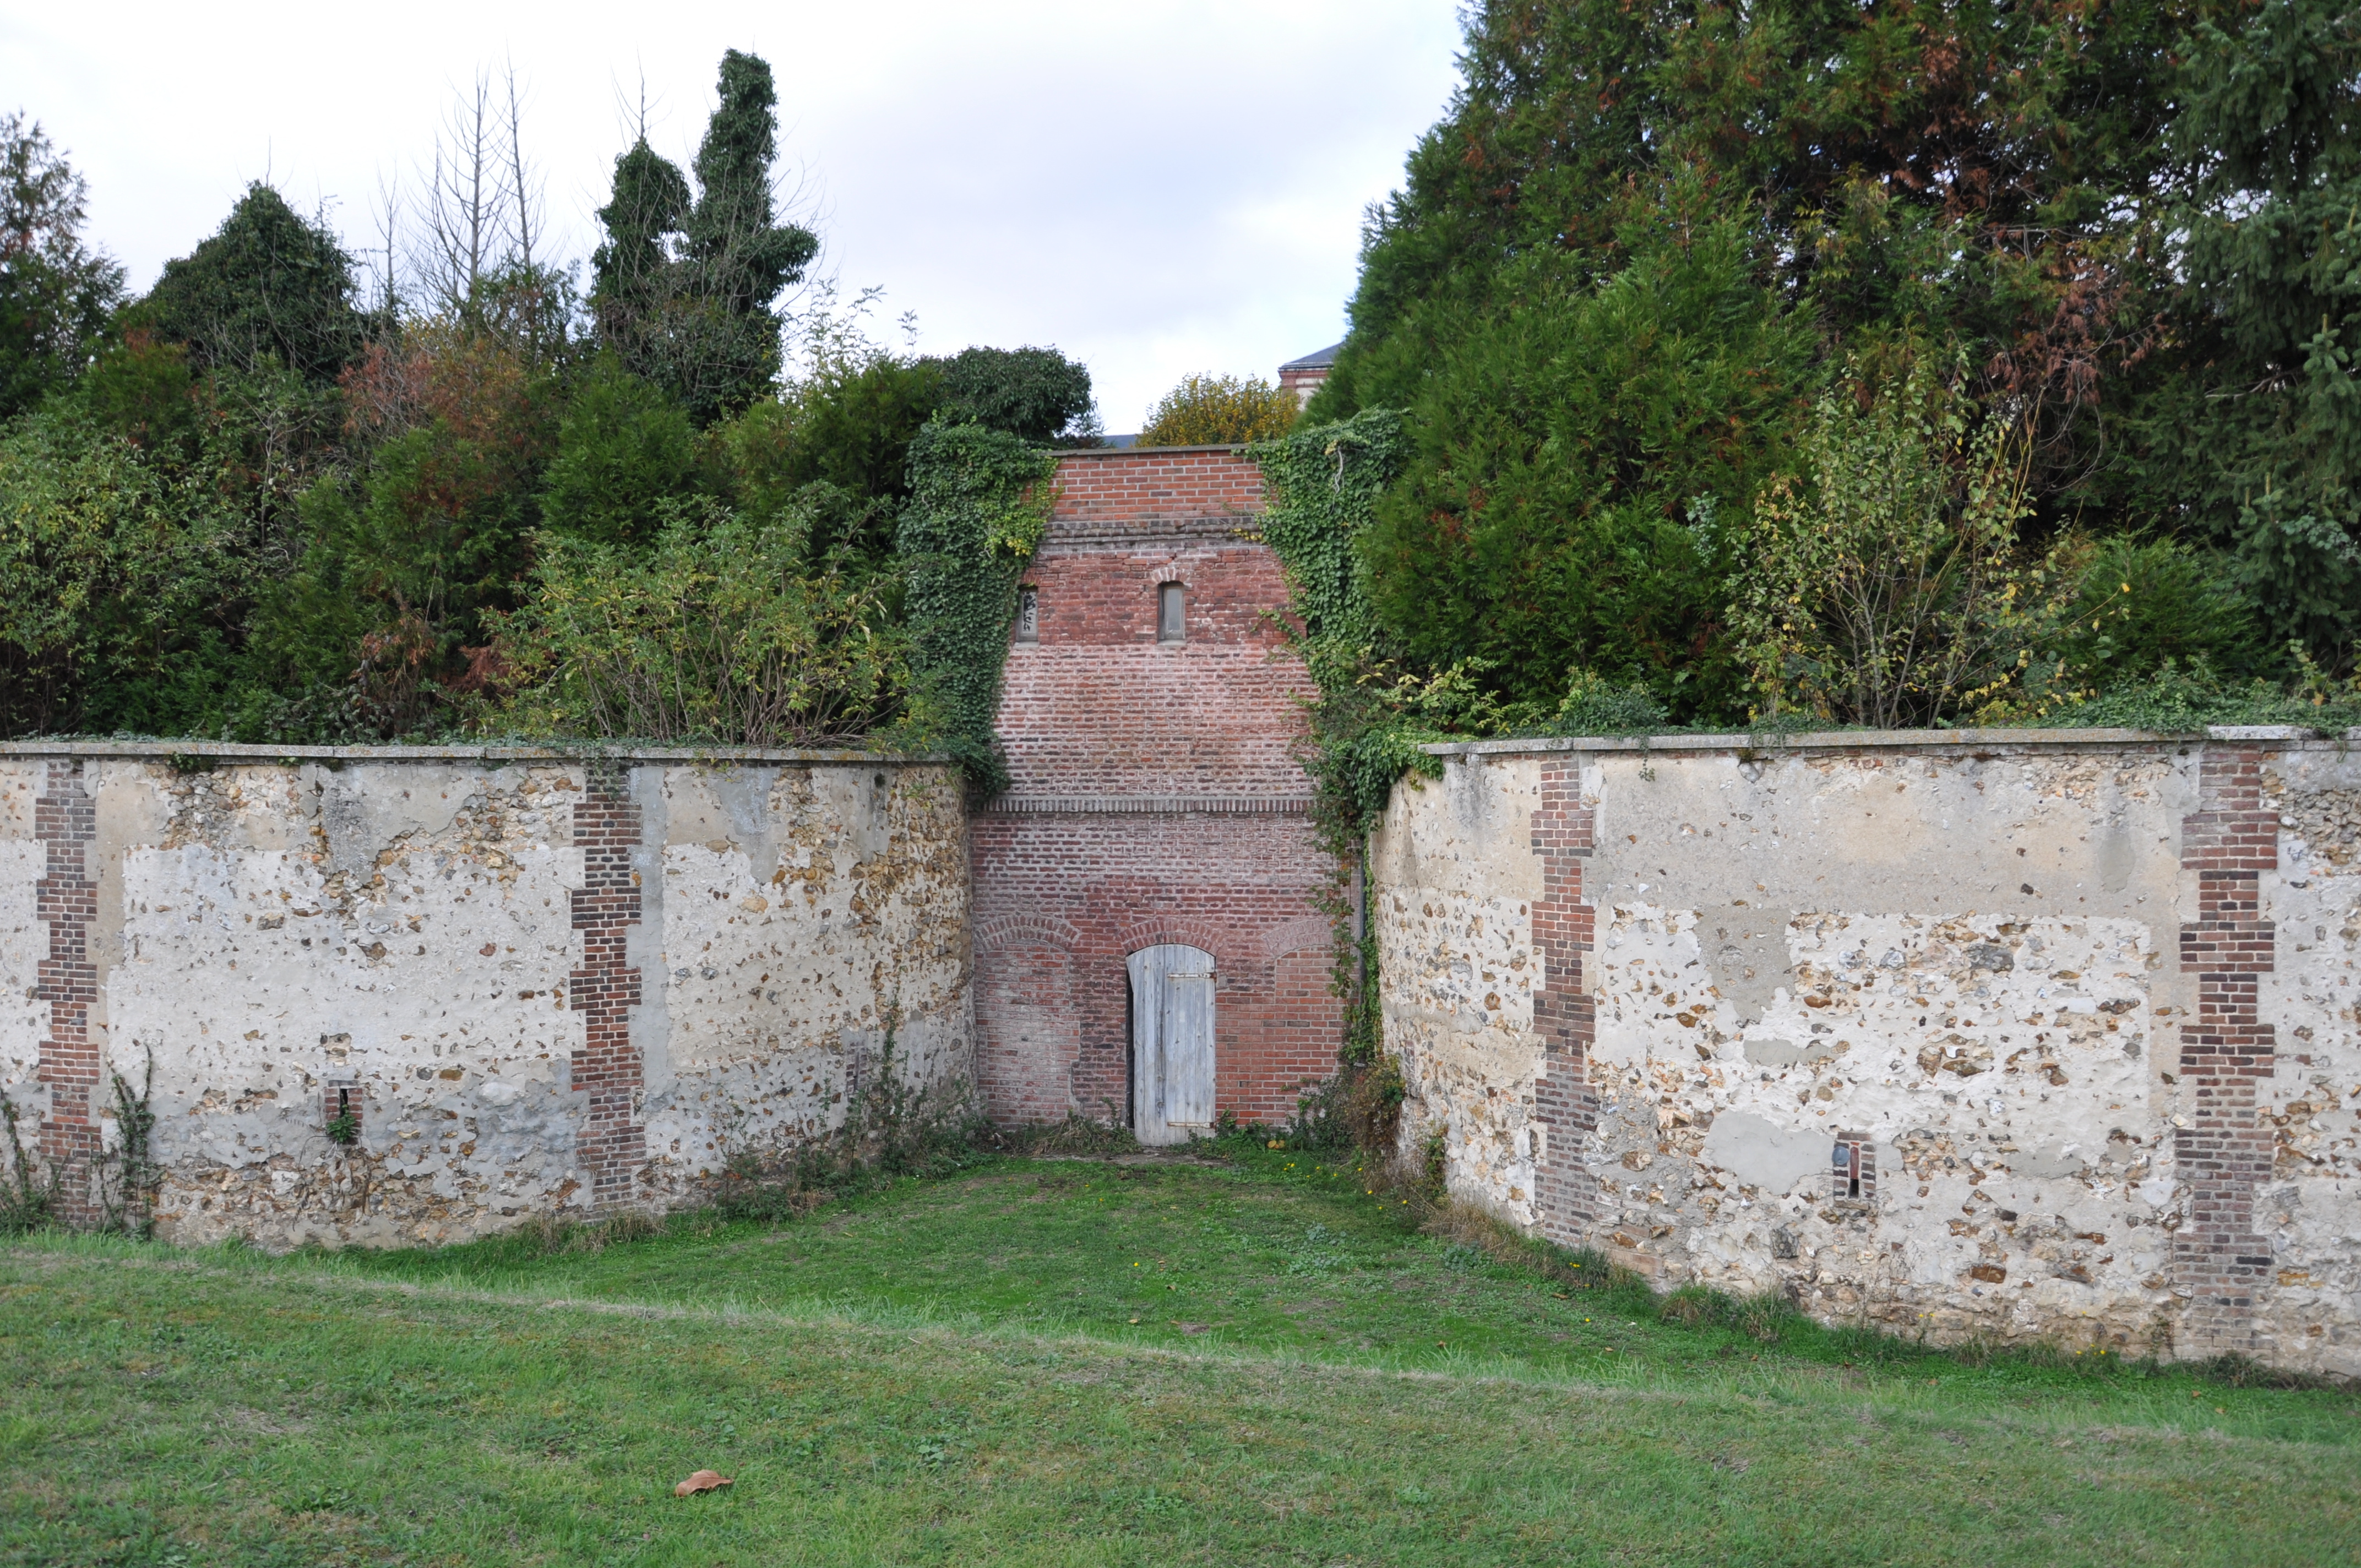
1030 930
1028 1018
1201 934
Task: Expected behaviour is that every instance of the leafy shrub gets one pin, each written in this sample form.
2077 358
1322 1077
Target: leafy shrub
1596 706
1215 410
722 633
2177 699
111 569
623 450
1883 587
2141 603
1035 394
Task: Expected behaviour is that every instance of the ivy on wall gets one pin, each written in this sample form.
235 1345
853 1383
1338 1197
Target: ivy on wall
979 501
1321 489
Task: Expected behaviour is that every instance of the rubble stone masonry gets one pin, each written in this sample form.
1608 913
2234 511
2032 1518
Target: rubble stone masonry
538 983
2025 1035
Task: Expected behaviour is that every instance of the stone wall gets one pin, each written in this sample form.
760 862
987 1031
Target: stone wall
2019 1035
540 982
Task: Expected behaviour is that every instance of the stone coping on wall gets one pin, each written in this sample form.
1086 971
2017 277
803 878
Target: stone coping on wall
1888 740
226 752
1062 453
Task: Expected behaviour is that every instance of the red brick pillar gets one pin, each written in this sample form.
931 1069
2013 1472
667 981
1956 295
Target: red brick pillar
1565 1108
611 1148
2224 1153
65 818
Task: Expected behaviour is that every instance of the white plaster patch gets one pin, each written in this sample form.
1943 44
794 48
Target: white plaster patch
24 943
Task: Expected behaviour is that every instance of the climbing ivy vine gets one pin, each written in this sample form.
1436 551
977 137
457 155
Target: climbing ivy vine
980 501
1320 488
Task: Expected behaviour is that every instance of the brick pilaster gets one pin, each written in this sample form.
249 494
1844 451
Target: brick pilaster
611 1148
65 819
1567 1107
2224 1153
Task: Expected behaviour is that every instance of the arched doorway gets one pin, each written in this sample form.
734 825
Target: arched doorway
1172 1042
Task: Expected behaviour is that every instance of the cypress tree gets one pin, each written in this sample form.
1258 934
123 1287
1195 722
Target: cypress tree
630 273
268 283
685 291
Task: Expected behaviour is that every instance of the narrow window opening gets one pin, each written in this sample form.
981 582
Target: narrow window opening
1172 613
1028 615
1856 1168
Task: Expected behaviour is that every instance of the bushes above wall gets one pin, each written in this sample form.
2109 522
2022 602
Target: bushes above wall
256 506
1647 253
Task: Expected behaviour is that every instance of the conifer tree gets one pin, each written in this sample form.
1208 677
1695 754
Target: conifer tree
2261 434
686 292
266 283
55 291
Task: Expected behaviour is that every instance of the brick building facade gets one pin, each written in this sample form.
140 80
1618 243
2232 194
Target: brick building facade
1151 711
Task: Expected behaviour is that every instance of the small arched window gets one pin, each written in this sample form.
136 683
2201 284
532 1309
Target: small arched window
1172 613
1028 614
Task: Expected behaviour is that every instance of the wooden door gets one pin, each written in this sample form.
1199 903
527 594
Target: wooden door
1172 1042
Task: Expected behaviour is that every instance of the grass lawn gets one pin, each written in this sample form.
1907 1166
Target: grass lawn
1077 1362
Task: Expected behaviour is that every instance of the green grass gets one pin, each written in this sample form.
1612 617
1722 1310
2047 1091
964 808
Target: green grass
951 1372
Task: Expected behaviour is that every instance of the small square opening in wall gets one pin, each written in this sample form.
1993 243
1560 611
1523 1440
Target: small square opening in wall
1172 613
343 1114
1855 1166
1028 614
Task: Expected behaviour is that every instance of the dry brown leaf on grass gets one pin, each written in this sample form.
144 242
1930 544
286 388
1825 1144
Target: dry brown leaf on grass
703 1481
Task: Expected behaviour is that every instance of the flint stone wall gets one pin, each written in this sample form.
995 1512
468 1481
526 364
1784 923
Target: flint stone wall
2076 1010
543 984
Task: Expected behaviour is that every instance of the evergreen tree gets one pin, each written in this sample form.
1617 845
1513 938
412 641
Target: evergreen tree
623 449
1724 203
2260 431
55 292
632 272
740 257
686 292
268 284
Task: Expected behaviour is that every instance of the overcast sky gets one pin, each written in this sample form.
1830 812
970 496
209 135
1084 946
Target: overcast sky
1155 188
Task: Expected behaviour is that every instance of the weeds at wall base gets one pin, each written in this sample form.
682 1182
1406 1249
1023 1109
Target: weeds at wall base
27 1200
128 1176
890 1130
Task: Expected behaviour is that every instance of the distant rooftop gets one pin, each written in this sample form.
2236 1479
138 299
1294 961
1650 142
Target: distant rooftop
1321 360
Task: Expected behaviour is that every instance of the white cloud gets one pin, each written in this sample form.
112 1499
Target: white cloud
1155 188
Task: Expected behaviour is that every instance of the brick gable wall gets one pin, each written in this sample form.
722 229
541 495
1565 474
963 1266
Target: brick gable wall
1155 798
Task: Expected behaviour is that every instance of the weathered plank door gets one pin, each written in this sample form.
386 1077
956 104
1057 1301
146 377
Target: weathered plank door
1172 1042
